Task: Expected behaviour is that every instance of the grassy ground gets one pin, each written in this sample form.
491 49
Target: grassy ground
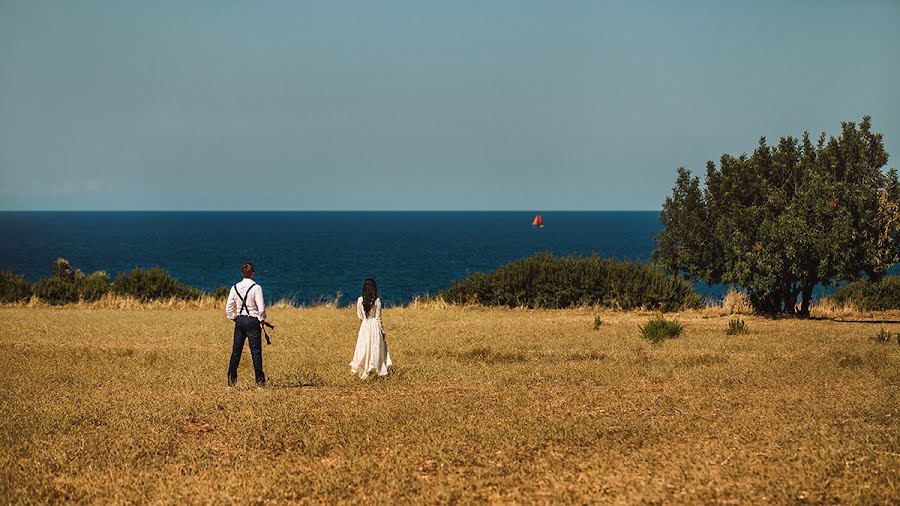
101 405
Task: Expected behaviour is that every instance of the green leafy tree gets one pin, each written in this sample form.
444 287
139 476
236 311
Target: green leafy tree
786 218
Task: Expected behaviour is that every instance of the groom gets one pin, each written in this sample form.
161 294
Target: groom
247 297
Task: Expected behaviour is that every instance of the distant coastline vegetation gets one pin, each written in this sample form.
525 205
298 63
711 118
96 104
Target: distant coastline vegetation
542 280
539 281
546 281
68 285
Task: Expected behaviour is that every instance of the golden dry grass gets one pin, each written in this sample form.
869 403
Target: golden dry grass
484 405
736 302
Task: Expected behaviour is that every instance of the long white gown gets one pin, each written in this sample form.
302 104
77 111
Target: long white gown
371 353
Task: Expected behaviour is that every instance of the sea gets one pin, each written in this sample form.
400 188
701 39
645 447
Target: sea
308 257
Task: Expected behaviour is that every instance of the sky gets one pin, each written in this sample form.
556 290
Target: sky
418 105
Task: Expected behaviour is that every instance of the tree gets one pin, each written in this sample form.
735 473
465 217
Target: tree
786 218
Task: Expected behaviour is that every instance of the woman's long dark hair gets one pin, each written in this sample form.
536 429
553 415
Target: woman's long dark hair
369 294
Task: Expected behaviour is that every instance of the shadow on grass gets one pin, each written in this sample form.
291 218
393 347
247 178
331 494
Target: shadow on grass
864 321
299 379
583 357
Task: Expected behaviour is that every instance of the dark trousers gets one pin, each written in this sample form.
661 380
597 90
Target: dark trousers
246 327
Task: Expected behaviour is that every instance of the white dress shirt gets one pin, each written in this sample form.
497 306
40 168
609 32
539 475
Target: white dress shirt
254 301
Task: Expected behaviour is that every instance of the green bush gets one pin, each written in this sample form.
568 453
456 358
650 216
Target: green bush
55 290
69 285
94 286
152 284
659 329
64 271
870 295
737 326
544 280
13 288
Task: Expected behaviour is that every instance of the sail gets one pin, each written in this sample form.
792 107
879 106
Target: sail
538 221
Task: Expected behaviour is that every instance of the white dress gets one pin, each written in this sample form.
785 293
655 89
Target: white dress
371 353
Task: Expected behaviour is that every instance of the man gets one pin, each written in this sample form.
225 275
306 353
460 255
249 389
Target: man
248 310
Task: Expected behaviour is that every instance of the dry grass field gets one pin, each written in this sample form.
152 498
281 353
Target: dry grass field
484 405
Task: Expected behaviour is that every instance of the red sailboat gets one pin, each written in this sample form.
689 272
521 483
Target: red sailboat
538 221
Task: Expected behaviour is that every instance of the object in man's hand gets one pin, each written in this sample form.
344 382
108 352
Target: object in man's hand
264 325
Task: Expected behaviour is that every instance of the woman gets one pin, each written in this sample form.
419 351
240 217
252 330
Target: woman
371 349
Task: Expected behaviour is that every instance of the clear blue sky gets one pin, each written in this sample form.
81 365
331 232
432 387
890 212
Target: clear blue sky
418 105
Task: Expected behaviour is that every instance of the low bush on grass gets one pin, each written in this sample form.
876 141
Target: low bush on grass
736 326
659 329
152 284
880 295
883 336
13 288
544 280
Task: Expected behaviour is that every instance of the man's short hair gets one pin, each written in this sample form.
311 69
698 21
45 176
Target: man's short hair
247 269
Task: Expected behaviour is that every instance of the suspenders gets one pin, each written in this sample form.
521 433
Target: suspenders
244 299
244 308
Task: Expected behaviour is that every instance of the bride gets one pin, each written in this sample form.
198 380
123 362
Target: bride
371 349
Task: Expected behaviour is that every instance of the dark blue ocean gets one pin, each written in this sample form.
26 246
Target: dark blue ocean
309 257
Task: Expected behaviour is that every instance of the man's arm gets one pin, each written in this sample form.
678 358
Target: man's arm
229 305
261 304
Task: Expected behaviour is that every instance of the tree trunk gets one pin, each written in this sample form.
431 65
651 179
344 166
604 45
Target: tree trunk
874 275
789 299
806 291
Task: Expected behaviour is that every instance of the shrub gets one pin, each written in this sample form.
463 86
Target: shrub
883 336
737 326
64 271
13 288
220 292
94 286
544 280
597 322
71 285
55 290
870 295
152 284
659 329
